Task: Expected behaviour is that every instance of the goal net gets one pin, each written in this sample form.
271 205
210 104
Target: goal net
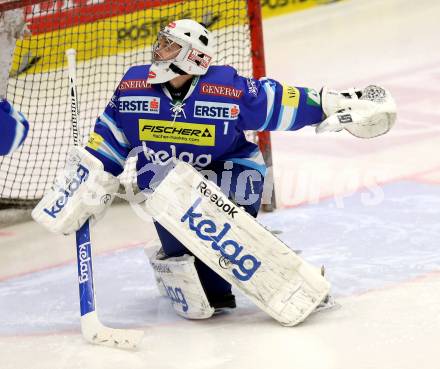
109 37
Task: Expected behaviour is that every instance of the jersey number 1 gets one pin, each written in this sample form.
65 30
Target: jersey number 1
225 132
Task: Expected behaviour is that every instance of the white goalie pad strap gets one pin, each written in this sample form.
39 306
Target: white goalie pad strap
236 246
364 113
182 285
82 191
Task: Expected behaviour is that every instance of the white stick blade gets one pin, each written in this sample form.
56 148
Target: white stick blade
97 333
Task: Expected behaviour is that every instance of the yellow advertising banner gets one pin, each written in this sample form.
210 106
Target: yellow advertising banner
115 35
94 34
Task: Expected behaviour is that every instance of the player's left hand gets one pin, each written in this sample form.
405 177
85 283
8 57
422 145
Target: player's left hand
366 113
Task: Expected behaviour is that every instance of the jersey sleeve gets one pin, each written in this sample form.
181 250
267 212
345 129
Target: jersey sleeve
108 142
13 128
271 106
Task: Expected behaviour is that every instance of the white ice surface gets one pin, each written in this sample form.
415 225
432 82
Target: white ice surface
380 244
382 266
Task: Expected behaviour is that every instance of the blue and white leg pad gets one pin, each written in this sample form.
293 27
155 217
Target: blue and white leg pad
177 278
236 246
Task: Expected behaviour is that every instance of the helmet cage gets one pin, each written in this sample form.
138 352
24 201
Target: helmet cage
171 41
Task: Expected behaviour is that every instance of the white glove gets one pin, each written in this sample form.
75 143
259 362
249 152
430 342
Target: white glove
364 113
82 191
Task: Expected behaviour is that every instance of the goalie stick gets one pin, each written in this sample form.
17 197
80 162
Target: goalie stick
92 329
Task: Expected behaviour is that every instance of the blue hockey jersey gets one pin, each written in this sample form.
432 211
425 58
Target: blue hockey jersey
207 126
13 128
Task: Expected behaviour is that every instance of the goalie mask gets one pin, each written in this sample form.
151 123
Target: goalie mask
182 47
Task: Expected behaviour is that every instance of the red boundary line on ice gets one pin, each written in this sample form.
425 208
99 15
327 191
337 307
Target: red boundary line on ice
68 262
417 279
307 202
7 234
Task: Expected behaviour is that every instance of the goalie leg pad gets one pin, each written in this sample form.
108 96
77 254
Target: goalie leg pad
177 278
236 246
214 286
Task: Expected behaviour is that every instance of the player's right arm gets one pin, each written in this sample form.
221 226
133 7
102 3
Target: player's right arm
88 184
13 128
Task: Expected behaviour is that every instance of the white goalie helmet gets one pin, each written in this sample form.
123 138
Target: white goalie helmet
182 47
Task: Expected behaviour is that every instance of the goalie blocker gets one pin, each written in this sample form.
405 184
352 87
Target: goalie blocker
81 191
236 246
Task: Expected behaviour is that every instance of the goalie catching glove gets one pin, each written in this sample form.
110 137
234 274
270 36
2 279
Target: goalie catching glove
364 113
82 191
